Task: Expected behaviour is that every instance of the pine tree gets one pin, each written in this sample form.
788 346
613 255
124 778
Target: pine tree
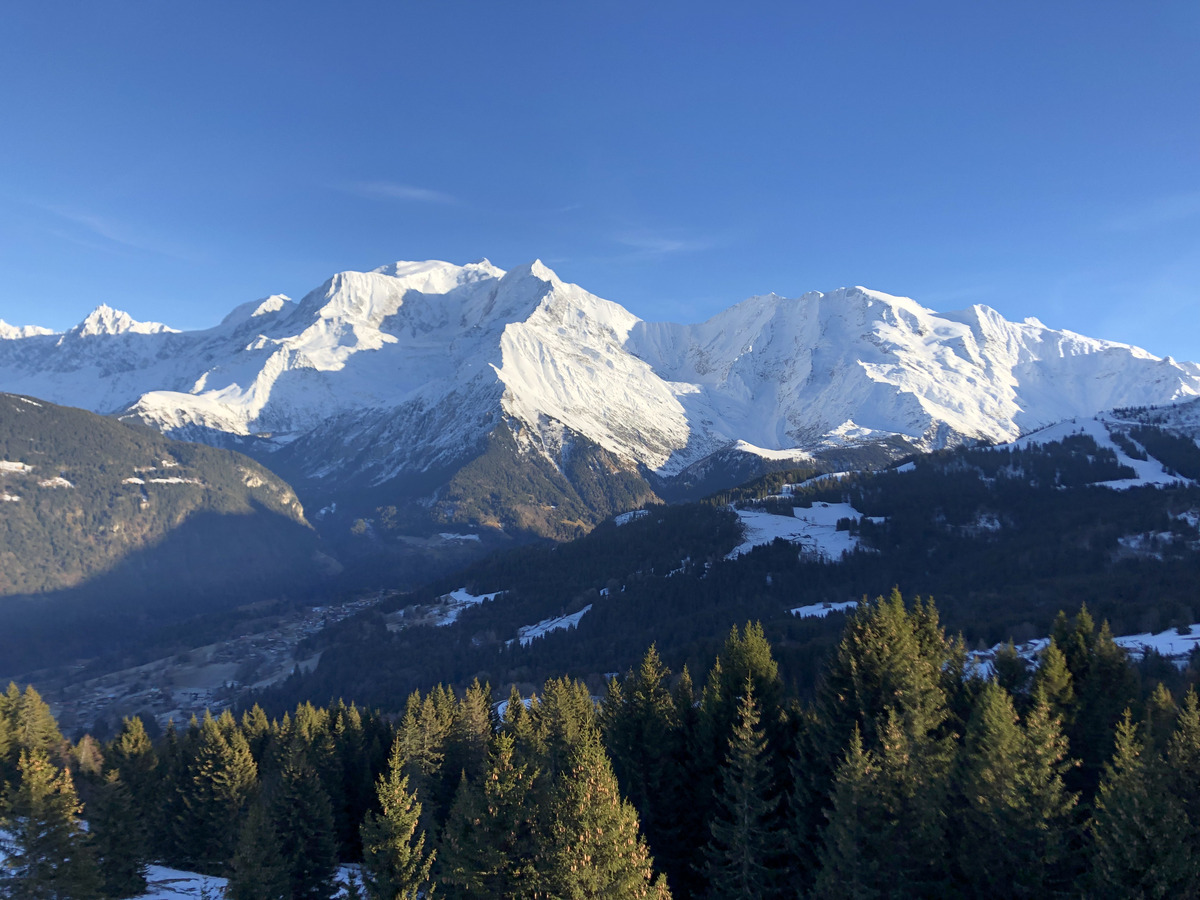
642 733
35 726
1012 672
743 846
492 843
302 818
1141 836
1159 722
1109 686
1010 799
214 793
1053 679
595 849
395 865
49 854
472 728
1183 758
119 838
258 871
851 857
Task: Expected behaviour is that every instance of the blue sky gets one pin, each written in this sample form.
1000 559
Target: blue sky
176 159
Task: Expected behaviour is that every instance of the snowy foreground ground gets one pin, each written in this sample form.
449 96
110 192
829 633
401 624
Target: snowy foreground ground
174 884
171 884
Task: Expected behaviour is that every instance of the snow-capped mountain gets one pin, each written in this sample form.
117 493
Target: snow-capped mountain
409 368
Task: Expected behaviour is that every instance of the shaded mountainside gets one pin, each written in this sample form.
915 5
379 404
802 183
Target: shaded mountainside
377 388
107 529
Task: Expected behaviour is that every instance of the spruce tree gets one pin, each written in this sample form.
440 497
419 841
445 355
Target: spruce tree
395 864
1010 798
914 773
470 732
1140 834
214 793
1052 807
258 871
492 843
49 854
642 733
740 857
119 838
1183 758
1159 722
1012 672
595 850
302 818
564 719
852 852
36 729
1053 678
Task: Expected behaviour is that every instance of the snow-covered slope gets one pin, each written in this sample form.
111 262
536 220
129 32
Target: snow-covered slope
409 367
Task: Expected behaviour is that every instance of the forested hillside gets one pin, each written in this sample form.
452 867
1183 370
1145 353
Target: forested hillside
106 528
1002 538
909 773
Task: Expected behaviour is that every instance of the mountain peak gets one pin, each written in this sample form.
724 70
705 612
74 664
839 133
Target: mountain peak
536 269
106 320
255 308
435 268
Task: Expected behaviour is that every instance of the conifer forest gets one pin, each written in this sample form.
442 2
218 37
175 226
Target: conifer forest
911 771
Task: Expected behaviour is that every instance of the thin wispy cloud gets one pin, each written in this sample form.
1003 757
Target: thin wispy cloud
1162 211
108 234
647 245
405 193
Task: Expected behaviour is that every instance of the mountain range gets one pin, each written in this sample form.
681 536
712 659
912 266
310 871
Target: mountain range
471 395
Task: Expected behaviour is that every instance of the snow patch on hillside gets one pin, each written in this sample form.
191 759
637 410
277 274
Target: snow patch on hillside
784 455
821 610
626 517
451 605
813 530
527 633
1170 644
1147 471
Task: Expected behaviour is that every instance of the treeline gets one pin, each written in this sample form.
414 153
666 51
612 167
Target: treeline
910 774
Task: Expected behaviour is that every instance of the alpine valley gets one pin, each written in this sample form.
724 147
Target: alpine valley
395 426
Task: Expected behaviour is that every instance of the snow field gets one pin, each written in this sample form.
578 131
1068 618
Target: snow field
458 600
821 610
813 530
527 633
1147 471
